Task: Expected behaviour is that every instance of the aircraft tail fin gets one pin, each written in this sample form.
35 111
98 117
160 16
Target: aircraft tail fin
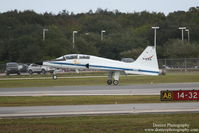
147 62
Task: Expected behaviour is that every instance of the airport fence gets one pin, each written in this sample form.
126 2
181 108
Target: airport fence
2 68
170 65
179 65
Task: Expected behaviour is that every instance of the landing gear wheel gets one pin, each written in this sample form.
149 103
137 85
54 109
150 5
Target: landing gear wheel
54 77
109 82
115 82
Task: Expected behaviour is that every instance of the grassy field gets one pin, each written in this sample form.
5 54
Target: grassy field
77 100
74 100
68 74
170 78
134 123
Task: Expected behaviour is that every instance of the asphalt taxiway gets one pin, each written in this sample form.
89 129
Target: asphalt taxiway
136 89
141 89
46 111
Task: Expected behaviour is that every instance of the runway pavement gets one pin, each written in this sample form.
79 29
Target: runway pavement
44 111
141 89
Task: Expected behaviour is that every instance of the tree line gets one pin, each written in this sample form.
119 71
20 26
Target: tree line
127 34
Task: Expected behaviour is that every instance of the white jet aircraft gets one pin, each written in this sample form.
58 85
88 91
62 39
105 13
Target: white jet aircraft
146 64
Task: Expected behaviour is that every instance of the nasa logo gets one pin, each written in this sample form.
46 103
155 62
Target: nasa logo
148 58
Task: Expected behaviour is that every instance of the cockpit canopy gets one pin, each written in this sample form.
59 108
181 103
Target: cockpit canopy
72 56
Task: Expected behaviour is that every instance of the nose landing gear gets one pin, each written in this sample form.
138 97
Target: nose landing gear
54 75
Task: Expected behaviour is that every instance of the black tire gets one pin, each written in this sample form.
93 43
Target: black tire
109 82
30 72
7 74
115 82
43 71
18 73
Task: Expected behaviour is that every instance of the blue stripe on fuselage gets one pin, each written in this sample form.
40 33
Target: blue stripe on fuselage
107 67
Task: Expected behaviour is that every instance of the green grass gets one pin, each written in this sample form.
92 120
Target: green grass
68 74
74 100
134 123
170 78
77 100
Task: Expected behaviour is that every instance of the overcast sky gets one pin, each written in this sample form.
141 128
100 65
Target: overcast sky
79 6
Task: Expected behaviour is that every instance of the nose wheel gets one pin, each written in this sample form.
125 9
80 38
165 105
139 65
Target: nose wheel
54 77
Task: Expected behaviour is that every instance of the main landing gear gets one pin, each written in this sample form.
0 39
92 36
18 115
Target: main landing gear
113 78
114 82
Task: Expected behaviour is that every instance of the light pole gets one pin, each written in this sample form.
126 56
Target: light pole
102 31
188 35
44 34
155 28
182 30
74 32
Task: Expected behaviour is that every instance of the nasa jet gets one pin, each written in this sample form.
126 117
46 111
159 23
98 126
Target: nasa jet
145 64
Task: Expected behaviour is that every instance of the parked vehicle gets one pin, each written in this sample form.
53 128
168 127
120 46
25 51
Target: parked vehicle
34 68
23 68
12 68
